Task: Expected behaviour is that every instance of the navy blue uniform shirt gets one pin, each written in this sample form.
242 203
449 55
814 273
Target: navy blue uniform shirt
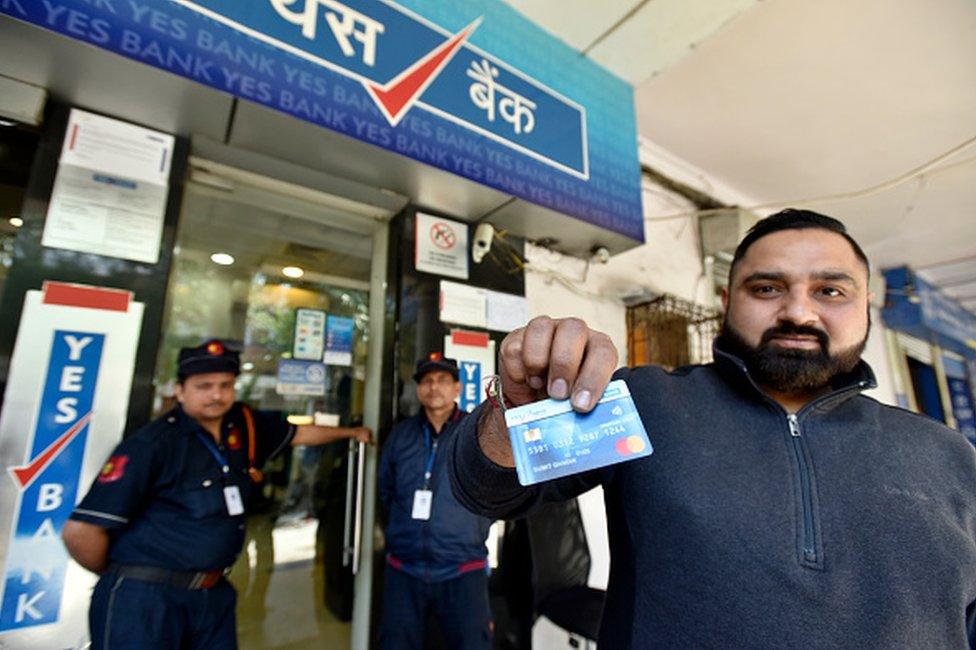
452 541
161 493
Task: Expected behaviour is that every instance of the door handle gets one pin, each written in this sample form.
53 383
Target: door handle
347 546
358 521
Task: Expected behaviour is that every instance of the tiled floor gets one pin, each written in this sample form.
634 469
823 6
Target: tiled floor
280 582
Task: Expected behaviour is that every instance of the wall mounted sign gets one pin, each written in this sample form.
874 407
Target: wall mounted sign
961 395
506 312
462 304
473 88
916 307
441 246
109 195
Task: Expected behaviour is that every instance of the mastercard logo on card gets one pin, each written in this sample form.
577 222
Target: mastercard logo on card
630 445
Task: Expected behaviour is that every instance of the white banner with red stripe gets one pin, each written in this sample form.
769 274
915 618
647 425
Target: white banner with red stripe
64 410
475 354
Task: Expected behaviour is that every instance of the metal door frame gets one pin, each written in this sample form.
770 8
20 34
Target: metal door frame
363 584
375 208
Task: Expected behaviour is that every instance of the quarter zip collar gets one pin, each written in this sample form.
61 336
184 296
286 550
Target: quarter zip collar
733 369
809 542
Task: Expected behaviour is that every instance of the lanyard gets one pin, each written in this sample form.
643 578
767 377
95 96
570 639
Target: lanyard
430 455
212 448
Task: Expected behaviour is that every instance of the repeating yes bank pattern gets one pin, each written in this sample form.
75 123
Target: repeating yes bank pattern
397 83
519 116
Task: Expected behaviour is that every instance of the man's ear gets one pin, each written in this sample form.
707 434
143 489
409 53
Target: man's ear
725 299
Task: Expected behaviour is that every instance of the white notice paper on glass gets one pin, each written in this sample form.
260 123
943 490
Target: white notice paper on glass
309 334
506 312
109 195
463 305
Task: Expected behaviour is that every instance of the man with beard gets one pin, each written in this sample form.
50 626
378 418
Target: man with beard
781 507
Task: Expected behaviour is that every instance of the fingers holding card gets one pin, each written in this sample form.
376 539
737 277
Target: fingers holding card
551 440
559 358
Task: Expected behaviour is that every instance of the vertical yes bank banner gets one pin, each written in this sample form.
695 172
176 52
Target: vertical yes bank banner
475 354
471 87
64 410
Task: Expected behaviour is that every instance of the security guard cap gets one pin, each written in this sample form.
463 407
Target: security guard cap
436 361
212 356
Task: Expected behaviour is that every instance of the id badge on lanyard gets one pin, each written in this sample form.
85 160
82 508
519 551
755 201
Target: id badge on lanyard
232 497
423 499
232 493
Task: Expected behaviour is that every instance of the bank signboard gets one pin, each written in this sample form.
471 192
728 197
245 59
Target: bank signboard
473 88
919 308
64 410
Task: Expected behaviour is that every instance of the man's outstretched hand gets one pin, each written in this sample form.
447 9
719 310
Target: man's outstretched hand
559 358
549 357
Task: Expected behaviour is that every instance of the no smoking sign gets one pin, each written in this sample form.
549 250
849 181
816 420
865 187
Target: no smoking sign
443 236
441 246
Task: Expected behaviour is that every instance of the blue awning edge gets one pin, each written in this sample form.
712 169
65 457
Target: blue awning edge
917 307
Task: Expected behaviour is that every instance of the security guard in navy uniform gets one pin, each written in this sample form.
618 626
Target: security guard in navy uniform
437 561
164 520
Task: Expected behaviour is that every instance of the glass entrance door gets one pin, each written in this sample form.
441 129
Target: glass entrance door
243 268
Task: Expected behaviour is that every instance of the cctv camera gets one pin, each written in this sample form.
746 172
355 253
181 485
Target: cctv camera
483 236
600 254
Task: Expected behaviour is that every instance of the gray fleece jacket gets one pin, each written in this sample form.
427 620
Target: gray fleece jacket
849 525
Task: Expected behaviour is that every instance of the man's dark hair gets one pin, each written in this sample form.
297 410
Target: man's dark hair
792 219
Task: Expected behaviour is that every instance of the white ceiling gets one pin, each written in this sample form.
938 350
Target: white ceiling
785 100
265 236
634 39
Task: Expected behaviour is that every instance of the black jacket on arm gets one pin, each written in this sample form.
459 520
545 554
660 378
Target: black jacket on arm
851 524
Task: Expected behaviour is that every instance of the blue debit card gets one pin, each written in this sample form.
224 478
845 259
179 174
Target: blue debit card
551 440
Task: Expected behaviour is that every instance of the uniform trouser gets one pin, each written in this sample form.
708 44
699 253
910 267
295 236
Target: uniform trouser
460 606
128 613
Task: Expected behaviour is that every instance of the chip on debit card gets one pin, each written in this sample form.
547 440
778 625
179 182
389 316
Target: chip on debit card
551 440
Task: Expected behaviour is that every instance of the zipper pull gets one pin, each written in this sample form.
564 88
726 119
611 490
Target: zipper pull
794 425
